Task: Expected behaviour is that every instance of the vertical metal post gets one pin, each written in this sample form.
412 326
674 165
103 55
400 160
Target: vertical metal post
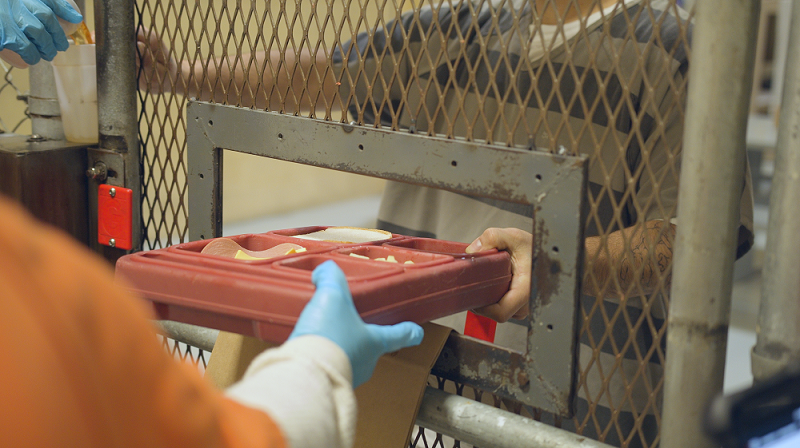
778 329
43 103
713 165
116 97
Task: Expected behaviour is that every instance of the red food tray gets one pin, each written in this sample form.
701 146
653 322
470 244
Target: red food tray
263 298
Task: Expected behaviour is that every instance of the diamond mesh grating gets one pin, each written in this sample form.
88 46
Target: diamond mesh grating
185 353
531 74
10 122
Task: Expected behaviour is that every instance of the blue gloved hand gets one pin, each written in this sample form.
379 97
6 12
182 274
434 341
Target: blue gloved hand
31 29
332 314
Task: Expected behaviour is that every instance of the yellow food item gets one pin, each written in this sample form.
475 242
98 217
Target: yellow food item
389 259
240 255
82 36
295 251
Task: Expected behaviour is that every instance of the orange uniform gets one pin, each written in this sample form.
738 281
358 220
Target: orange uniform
81 366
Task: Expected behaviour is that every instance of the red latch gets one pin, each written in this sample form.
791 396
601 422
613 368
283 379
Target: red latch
114 216
480 327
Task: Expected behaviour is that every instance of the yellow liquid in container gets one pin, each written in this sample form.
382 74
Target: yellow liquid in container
82 35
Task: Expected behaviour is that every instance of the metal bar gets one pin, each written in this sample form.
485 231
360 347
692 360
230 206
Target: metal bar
483 425
778 329
490 171
204 182
43 103
200 337
452 415
116 96
543 377
713 164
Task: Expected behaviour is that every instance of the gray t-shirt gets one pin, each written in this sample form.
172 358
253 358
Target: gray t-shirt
616 91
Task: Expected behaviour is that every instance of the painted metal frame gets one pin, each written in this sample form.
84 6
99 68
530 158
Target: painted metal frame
544 376
778 329
718 105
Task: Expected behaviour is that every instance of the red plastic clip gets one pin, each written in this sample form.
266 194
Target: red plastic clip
115 216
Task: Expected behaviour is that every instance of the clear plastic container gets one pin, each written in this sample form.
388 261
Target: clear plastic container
76 83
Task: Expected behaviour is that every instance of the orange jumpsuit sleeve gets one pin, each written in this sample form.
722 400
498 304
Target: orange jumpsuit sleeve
81 365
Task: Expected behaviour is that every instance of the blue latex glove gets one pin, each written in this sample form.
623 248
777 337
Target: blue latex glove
31 29
332 314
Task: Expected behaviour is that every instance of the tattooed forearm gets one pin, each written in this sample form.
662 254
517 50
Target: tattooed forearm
632 261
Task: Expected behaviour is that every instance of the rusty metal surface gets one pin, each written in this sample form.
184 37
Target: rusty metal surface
483 365
542 377
516 175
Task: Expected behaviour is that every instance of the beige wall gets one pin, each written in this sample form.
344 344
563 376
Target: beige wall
255 186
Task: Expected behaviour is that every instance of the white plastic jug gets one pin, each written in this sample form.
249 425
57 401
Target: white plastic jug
76 85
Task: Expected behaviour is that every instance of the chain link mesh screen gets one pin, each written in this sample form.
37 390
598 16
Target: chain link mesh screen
185 352
603 78
10 119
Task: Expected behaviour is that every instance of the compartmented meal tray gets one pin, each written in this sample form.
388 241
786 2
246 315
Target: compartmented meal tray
394 279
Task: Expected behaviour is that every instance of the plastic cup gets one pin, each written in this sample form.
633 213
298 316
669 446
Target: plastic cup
76 85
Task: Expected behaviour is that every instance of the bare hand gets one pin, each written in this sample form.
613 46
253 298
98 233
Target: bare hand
519 244
159 70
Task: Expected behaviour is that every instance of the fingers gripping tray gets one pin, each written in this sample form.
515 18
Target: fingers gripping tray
257 284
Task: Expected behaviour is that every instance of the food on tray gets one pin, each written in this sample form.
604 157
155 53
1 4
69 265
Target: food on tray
226 247
389 259
264 298
347 235
241 255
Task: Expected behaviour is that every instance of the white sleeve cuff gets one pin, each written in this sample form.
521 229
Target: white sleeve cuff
305 386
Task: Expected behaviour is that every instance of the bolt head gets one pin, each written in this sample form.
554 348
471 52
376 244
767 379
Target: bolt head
112 192
112 242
